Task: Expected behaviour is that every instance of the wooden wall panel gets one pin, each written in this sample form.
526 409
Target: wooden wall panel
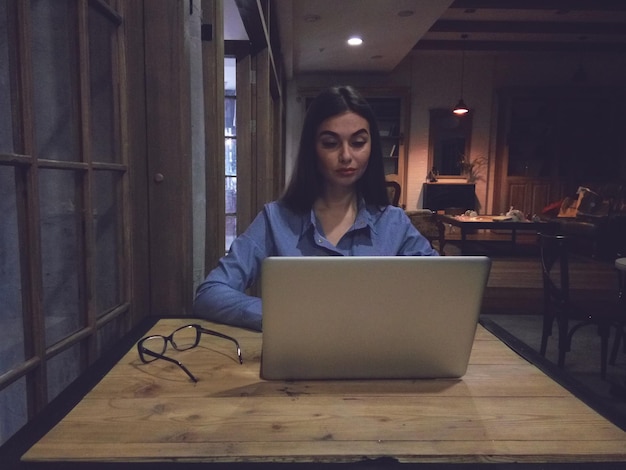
517 195
264 131
213 71
246 210
540 197
169 157
134 144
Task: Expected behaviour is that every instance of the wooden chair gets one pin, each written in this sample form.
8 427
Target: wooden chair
394 191
426 222
620 267
562 305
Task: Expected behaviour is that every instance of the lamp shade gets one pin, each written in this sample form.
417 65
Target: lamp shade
460 108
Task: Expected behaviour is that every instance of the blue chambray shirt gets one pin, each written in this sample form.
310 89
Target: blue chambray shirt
278 231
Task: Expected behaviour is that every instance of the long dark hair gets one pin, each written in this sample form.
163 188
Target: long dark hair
306 181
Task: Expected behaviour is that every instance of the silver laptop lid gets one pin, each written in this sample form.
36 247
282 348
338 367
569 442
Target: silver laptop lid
370 317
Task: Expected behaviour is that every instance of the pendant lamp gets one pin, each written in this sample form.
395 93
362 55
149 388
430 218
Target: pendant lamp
461 108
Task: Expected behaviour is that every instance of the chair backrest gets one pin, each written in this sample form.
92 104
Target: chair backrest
393 192
554 268
425 221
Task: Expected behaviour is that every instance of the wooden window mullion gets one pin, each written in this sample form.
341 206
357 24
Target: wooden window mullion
28 220
120 109
84 189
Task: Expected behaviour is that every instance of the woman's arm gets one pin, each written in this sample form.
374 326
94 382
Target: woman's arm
222 296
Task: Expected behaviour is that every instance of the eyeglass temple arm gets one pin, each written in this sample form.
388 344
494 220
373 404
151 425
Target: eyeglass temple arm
221 335
174 361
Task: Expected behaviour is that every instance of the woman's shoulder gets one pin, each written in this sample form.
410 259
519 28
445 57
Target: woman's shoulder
278 207
395 211
277 212
387 212
385 217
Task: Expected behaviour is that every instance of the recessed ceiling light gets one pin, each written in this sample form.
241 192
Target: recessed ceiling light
355 41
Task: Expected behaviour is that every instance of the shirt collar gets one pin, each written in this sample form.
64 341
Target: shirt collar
366 217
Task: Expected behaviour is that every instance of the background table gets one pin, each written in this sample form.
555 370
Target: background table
503 410
466 223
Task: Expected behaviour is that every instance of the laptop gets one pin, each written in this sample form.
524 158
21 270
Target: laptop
352 317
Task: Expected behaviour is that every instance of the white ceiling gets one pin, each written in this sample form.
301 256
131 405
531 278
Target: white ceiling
314 33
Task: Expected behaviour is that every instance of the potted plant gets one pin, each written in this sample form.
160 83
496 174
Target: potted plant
472 168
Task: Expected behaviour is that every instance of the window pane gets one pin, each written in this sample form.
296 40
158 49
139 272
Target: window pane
231 230
6 120
231 156
54 57
13 406
11 324
230 115
60 207
101 40
107 224
230 144
231 195
63 369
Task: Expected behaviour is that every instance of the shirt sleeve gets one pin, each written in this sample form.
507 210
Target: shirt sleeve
222 296
414 243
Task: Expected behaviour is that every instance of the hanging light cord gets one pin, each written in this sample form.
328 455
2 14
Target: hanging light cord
464 38
461 108
462 69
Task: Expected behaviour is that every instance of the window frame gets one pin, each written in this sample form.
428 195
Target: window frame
89 339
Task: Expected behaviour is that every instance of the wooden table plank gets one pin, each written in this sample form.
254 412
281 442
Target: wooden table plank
321 418
503 410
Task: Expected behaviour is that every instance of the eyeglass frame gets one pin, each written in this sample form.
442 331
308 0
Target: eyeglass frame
141 349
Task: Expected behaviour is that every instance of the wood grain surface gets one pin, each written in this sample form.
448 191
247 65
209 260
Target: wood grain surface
503 410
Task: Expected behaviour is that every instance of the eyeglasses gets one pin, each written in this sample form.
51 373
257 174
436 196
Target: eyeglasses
186 337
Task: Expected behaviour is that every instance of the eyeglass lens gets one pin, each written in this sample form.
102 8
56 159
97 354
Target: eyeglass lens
186 337
156 344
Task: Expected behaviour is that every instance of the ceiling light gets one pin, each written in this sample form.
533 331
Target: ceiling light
460 108
355 41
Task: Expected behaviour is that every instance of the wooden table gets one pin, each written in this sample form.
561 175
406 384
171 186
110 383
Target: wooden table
467 223
503 410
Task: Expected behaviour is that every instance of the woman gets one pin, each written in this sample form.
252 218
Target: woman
335 204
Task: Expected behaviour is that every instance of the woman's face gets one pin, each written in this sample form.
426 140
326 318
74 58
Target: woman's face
343 145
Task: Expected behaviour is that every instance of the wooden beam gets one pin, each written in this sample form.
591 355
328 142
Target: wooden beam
253 23
588 5
516 46
530 27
